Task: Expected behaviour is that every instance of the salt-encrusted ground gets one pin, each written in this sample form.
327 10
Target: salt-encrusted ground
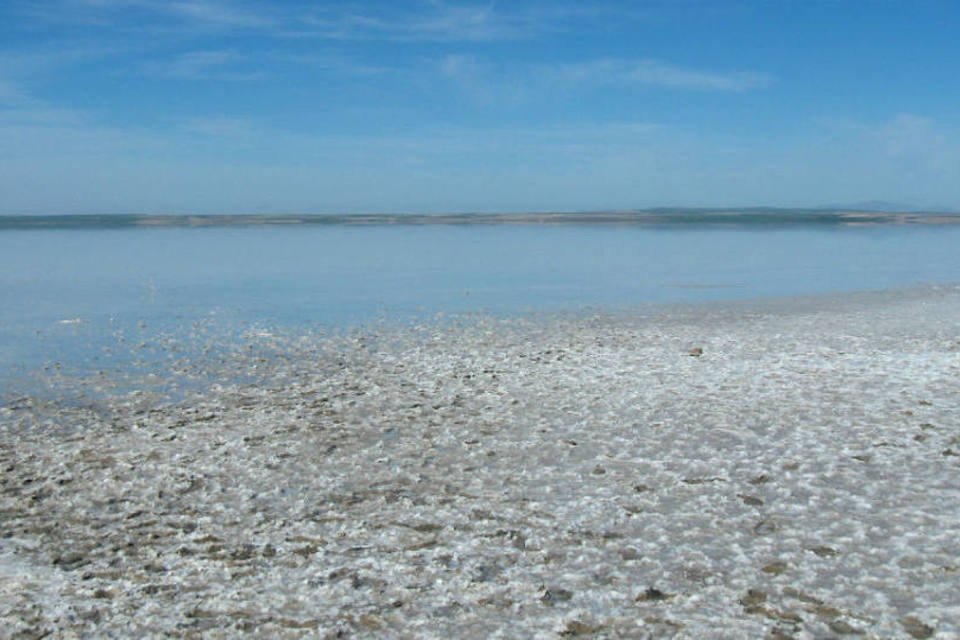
527 478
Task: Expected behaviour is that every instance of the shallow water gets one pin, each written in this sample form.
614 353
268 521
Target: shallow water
100 298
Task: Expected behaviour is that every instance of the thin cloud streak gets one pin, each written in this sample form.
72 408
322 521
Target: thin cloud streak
490 83
203 65
218 14
205 13
432 21
655 73
467 22
444 23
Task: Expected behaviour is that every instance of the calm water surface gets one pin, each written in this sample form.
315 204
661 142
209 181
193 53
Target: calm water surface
68 296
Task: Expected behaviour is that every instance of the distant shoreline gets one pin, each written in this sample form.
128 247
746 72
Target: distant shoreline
764 217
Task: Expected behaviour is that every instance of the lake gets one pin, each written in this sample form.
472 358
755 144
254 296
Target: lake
87 299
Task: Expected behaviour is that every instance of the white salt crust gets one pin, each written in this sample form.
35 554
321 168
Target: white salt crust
539 477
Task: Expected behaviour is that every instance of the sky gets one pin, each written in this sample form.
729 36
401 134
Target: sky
248 106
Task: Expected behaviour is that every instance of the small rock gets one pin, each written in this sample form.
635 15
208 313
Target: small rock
842 628
70 561
697 574
824 551
486 573
801 596
782 633
554 595
652 594
825 611
917 628
696 352
246 626
516 538
630 553
93 615
369 622
788 616
750 500
578 628
306 550
358 581
245 552
753 598
775 568
419 546
289 623
666 622
764 527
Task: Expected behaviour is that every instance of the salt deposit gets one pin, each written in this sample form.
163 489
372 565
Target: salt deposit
782 469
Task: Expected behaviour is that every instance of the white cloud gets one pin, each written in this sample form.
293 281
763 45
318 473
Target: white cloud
18 105
482 81
513 83
427 20
476 22
203 65
217 14
655 73
220 14
432 22
458 21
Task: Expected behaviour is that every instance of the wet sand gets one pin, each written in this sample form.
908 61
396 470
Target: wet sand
537 477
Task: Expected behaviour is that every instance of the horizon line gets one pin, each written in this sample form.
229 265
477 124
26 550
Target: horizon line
654 216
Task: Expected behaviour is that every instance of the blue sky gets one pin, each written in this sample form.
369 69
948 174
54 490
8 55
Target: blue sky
219 106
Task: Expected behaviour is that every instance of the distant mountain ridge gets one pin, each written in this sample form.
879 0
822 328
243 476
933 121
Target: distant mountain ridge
666 216
886 206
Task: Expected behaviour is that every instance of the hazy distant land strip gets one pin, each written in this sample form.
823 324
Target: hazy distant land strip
651 217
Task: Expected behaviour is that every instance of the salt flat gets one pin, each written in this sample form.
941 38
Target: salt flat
535 477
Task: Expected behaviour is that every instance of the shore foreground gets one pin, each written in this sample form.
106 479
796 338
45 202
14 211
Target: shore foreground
786 469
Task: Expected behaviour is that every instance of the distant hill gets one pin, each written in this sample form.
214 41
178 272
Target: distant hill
885 206
751 216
